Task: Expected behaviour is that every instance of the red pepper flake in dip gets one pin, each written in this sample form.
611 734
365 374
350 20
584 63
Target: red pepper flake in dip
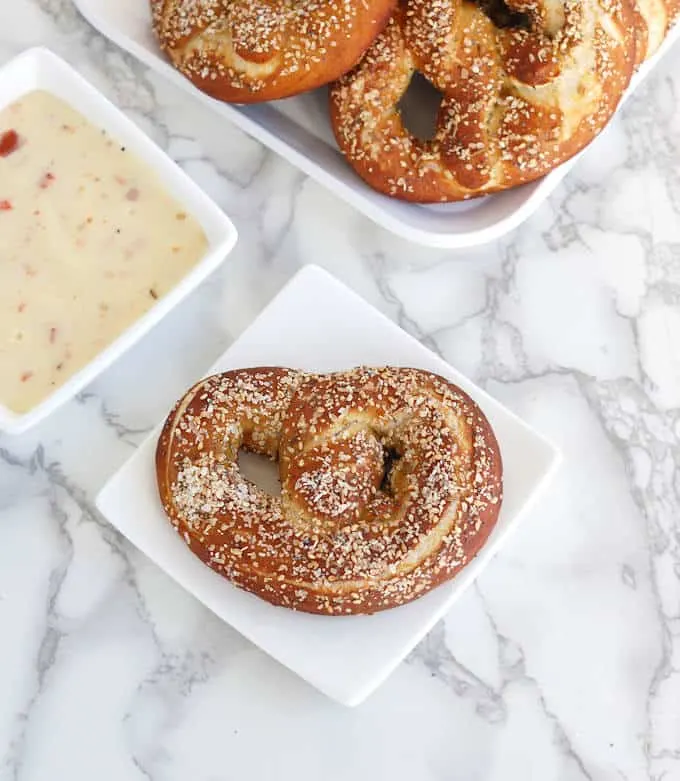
6 206
47 180
9 142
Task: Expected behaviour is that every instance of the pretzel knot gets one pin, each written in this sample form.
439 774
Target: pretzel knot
524 87
390 483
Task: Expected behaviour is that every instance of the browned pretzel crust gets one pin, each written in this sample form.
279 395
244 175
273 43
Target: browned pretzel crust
346 536
516 101
247 51
653 20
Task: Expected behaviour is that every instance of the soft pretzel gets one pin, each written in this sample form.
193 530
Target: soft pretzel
246 51
348 534
517 100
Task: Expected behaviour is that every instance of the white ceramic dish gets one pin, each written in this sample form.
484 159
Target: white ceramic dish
40 69
317 324
299 130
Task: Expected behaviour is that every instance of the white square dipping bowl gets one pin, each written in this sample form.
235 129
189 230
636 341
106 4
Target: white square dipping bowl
317 324
40 69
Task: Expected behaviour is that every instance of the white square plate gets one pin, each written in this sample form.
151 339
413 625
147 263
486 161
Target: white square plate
39 69
317 324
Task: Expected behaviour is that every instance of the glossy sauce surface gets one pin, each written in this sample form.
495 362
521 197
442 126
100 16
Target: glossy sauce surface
89 241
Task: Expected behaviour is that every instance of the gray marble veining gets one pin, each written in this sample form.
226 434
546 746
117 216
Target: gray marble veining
562 664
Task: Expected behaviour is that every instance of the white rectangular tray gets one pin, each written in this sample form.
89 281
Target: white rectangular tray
299 130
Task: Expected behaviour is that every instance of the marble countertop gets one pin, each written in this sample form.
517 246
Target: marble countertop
561 664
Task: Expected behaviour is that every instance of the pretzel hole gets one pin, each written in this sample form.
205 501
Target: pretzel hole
390 459
419 107
503 16
260 471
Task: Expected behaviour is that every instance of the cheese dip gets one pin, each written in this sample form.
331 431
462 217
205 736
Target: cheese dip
89 240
